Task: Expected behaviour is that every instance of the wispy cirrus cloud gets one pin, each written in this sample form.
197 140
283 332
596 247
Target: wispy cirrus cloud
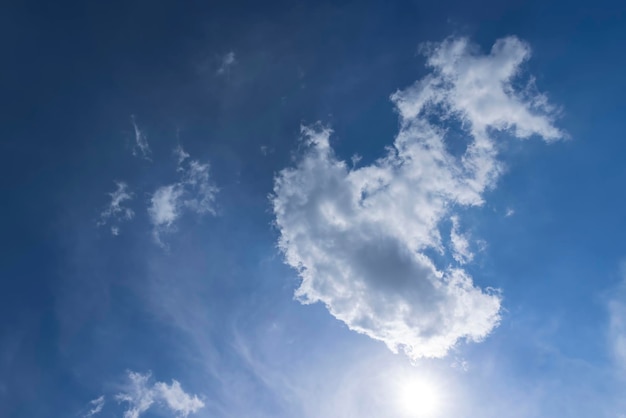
359 237
141 394
141 148
181 155
195 192
165 205
226 62
95 406
116 211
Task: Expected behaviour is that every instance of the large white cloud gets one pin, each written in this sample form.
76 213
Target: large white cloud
359 237
141 394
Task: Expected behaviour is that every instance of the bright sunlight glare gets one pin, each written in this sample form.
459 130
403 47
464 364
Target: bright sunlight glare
419 398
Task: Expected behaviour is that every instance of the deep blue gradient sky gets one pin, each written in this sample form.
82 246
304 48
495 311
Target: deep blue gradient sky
211 305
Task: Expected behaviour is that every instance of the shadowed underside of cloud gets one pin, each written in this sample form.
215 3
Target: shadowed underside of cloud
359 236
141 394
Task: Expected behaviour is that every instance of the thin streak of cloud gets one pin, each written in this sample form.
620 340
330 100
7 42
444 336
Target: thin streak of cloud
96 406
141 147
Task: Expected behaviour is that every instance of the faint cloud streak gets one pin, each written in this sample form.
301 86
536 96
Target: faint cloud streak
96 406
141 147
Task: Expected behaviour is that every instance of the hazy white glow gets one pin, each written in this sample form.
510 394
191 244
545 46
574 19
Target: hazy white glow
419 398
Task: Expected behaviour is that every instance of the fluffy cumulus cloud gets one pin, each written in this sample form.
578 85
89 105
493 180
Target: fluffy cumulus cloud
95 407
141 148
116 211
360 238
141 394
193 192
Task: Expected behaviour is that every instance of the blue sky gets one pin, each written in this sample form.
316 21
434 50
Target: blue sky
313 209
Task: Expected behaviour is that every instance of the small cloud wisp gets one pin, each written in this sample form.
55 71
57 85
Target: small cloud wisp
195 192
116 212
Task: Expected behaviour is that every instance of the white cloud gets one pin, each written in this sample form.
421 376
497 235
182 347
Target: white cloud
359 236
177 399
165 205
201 191
181 155
141 395
459 243
194 192
141 147
138 395
509 212
116 212
96 406
227 61
478 89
